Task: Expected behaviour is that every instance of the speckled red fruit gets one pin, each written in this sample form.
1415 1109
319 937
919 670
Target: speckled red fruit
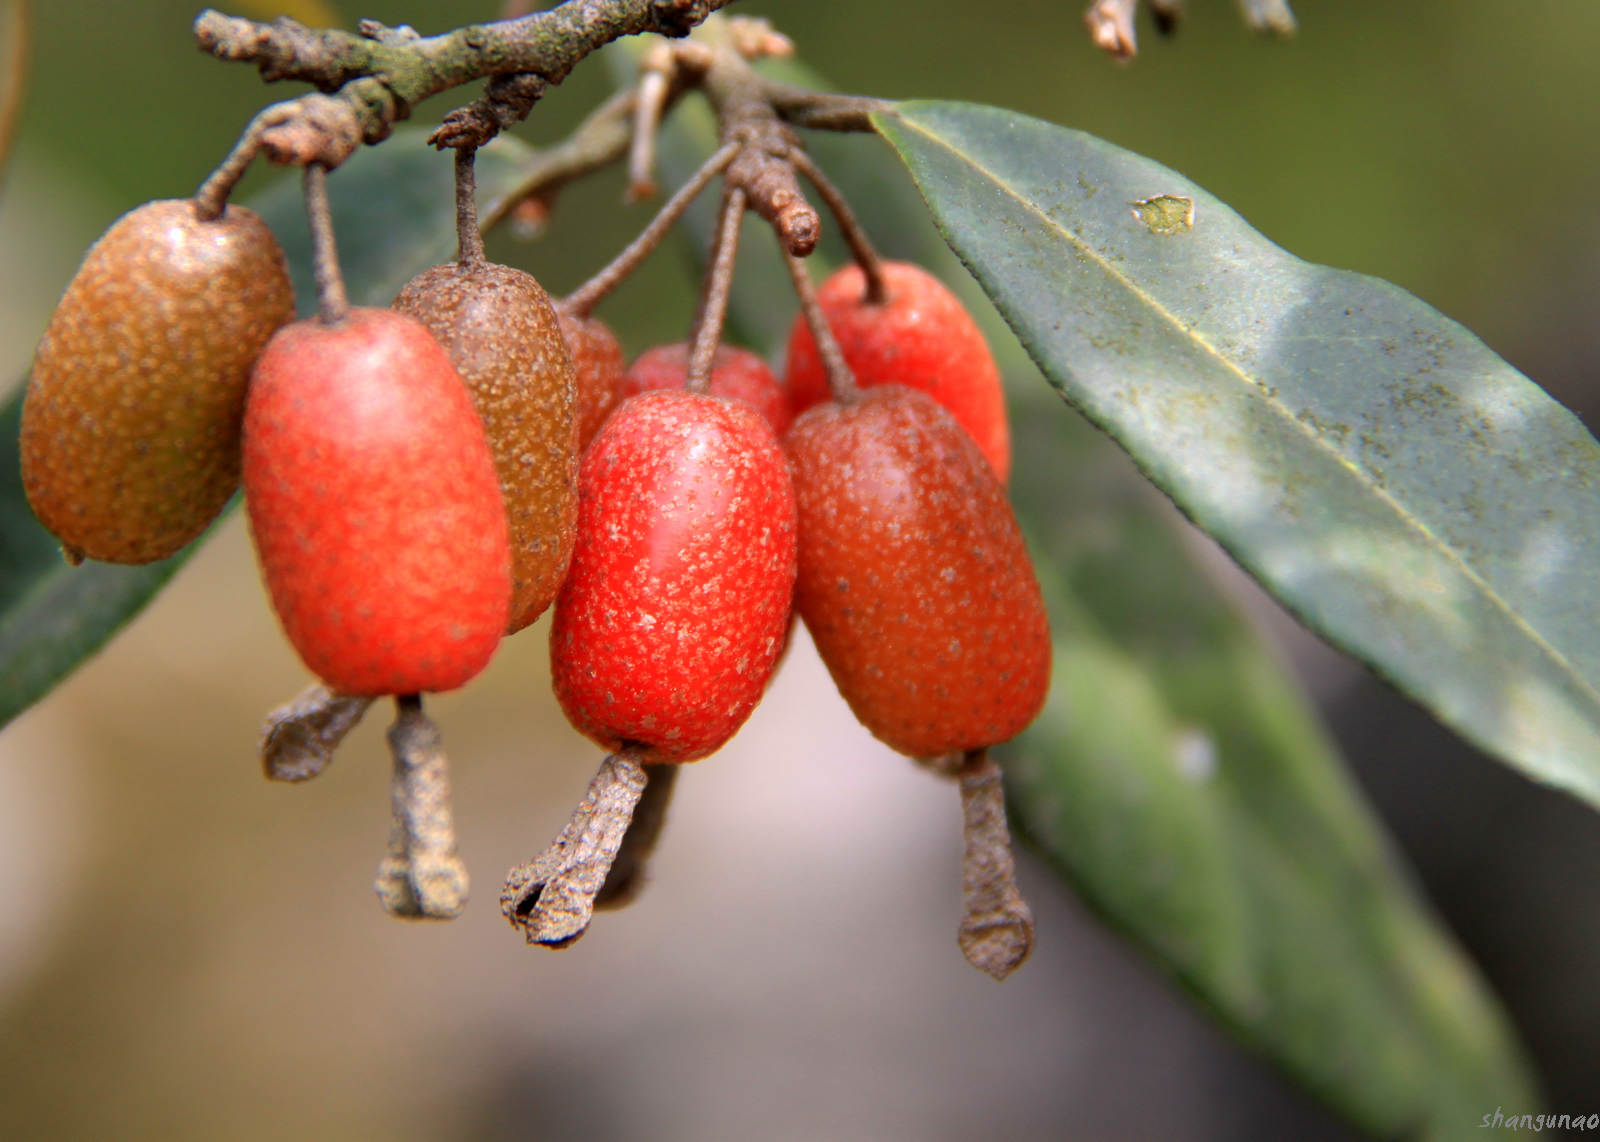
598 364
130 427
676 603
921 337
735 373
375 507
913 578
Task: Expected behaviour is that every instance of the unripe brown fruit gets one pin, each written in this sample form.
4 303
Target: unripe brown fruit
675 608
500 330
598 365
375 506
922 337
913 578
130 426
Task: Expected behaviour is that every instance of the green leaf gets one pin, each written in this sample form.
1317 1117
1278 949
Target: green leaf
394 213
1393 482
1183 786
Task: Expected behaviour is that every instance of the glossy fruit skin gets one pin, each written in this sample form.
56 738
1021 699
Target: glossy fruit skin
130 426
676 604
735 373
921 337
913 578
598 363
500 330
375 506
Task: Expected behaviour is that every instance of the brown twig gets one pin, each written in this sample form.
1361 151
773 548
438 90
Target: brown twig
765 171
745 115
613 129
300 737
714 298
551 898
422 876
506 101
381 73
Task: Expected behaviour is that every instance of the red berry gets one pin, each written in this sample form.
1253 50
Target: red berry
599 365
921 337
676 603
375 506
735 373
913 577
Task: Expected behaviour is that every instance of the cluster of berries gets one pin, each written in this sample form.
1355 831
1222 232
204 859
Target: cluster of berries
422 480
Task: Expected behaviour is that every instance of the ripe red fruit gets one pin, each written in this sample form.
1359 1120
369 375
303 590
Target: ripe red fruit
913 578
735 373
677 599
598 365
374 505
130 428
502 336
921 337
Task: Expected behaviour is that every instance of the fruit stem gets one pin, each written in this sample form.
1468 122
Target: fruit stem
469 238
655 88
300 737
714 299
855 236
332 302
422 876
582 301
627 876
212 197
551 898
841 381
997 929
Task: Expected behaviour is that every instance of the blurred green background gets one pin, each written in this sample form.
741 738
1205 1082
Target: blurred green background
189 952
